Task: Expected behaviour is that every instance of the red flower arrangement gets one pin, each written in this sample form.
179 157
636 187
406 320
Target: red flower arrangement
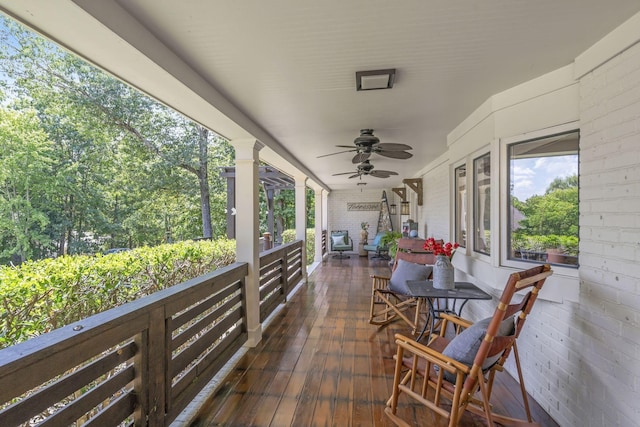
439 248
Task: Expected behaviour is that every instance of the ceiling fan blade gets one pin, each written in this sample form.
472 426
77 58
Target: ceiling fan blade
386 172
348 146
342 173
339 152
380 174
355 175
395 154
360 157
390 146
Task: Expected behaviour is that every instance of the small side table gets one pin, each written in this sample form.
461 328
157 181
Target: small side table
464 291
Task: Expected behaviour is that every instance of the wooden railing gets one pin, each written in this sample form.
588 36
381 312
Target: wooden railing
143 362
280 269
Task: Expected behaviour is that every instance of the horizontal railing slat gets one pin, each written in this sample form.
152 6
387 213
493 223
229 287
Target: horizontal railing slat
272 274
90 399
50 363
202 323
116 411
182 360
195 311
64 387
185 391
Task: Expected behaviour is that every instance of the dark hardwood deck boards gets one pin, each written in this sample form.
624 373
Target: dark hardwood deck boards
321 363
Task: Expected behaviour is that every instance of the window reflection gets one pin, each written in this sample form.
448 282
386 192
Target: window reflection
461 205
482 204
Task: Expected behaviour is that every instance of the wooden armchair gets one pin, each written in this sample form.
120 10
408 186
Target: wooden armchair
450 376
389 300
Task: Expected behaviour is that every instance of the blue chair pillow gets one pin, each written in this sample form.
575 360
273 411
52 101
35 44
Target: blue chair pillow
406 270
464 346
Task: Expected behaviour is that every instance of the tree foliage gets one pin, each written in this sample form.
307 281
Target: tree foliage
550 220
555 212
110 167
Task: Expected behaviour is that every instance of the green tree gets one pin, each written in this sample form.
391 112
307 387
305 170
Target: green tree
555 212
125 158
25 170
562 183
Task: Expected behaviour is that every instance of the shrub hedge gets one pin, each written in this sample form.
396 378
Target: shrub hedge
43 295
289 236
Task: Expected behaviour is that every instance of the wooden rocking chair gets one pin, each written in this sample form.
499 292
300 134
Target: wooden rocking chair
388 303
451 376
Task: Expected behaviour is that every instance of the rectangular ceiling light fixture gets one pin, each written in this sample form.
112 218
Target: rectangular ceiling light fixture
376 79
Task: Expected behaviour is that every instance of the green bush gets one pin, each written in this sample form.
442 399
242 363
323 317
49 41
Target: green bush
39 296
289 236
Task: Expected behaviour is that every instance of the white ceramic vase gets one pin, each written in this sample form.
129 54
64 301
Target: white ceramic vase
443 273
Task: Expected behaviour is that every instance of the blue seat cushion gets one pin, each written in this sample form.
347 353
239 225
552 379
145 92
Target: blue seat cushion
375 245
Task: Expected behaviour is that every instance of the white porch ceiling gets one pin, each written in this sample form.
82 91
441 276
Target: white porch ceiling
283 71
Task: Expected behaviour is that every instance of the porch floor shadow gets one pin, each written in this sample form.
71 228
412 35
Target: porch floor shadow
320 363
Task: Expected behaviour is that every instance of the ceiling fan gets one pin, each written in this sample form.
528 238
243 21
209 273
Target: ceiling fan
367 143
366 168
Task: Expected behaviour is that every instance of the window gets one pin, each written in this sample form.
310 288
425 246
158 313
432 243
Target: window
482 204
461 205
543 204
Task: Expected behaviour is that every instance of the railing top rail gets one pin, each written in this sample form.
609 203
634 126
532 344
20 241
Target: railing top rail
281 248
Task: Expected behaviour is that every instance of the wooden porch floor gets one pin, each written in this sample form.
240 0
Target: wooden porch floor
321 363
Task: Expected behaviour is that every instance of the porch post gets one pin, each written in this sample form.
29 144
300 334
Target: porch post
319 221
301 218
325 211
248 229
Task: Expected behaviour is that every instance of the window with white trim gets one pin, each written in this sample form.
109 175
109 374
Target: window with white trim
543 207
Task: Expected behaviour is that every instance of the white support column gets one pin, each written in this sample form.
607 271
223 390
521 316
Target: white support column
325 211
301 218
248 229
319 221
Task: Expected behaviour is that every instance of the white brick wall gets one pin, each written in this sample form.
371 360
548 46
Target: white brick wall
341 219
583 359
588 354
